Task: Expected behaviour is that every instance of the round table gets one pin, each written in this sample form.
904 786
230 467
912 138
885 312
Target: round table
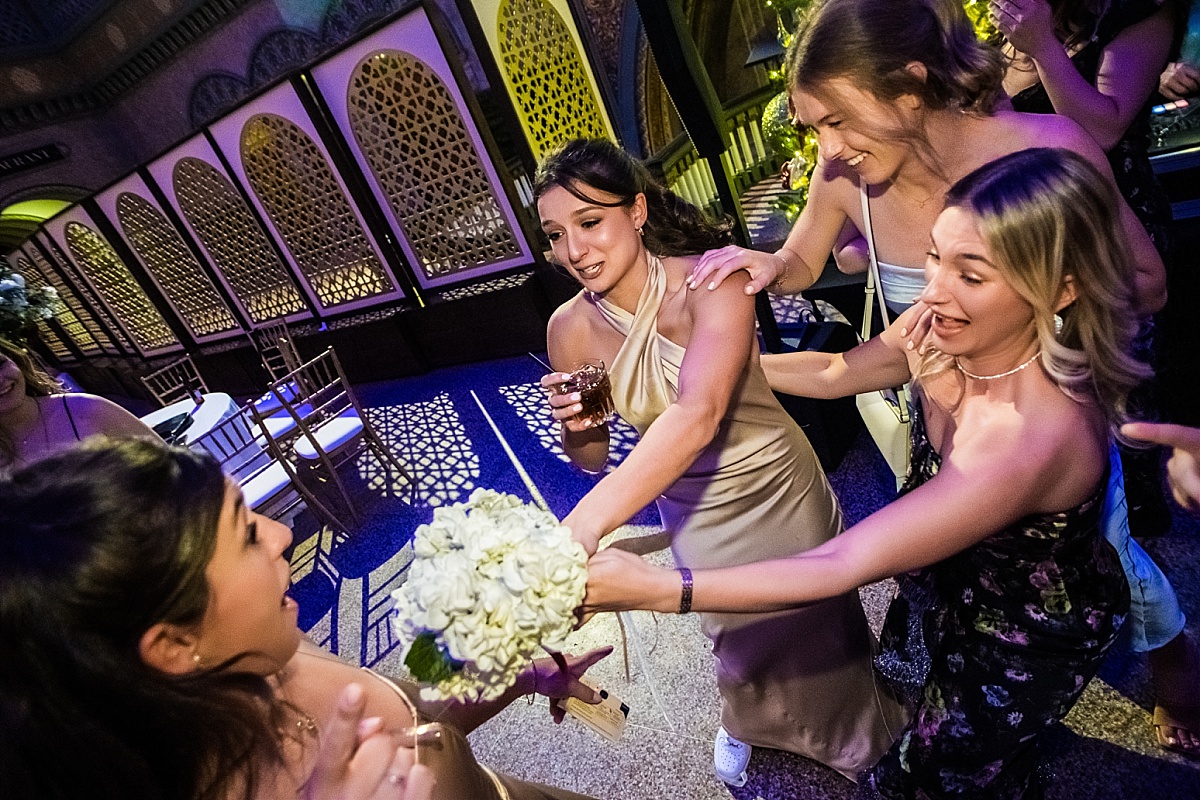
214 408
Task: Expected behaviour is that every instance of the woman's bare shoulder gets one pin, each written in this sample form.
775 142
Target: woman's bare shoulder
93 415
314 678
1016 130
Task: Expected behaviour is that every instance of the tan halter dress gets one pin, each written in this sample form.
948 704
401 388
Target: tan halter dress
800 680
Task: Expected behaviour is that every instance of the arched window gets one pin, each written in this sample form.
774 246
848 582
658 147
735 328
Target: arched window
297 188
113 281
409 129
546 75
81 326
234 241
181 277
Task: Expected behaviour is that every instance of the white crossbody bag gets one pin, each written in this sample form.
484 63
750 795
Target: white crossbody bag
885 412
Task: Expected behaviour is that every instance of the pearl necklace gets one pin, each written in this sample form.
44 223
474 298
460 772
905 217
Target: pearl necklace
1012 371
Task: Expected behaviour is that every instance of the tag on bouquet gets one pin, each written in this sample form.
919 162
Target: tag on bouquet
606 718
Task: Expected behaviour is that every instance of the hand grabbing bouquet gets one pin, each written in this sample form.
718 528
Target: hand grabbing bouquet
494 581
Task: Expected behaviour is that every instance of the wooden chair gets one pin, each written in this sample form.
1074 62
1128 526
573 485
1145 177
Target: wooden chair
176 381
275 347
332 427
279 356
269 482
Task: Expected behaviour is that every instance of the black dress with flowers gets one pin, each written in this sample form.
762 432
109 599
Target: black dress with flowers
995 644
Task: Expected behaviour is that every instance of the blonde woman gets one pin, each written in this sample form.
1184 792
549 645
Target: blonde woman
1010 594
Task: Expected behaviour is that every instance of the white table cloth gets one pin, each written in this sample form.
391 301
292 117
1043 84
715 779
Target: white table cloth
214 408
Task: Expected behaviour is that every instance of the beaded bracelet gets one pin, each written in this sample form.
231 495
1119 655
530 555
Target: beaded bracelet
685 598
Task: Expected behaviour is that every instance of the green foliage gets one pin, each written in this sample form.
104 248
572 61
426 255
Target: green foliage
427 662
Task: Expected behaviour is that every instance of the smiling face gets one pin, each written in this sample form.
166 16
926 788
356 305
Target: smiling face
978 315
856 128
600 245
12 384
248 614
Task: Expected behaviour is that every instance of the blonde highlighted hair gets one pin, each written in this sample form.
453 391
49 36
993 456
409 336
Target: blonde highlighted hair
1050 220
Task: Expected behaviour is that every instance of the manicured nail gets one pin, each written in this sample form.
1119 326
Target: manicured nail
578 409
909 346
712 286
576 397
904 331
369 727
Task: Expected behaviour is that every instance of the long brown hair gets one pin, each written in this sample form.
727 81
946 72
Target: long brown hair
101 542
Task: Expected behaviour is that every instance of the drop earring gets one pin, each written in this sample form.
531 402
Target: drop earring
1058 324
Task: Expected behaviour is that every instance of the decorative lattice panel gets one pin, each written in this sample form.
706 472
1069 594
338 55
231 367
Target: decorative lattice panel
174 267
546 75
113 280
409 129
234 241
298 189
49 337
80 325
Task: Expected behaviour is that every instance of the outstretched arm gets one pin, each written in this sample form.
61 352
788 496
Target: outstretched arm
797 265
982 487
1128 73
880 363
1183 469
720 343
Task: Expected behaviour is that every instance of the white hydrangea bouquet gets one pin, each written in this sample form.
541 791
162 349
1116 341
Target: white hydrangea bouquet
494 581
21 306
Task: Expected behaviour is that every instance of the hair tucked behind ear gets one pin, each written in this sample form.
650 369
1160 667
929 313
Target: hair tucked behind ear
674 227
99 543
873 42
1049 218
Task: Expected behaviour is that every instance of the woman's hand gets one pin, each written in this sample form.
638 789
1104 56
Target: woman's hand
558 685
565 405
717 265
1179 80
909 331
359 761
1183 470
620 581
1028 25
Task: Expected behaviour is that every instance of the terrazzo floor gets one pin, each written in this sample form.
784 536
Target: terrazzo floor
447 427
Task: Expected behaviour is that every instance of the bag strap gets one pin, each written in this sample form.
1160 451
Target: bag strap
874 290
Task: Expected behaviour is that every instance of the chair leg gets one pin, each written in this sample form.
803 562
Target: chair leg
323 506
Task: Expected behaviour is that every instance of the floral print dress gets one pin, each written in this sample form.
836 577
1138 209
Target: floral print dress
994 645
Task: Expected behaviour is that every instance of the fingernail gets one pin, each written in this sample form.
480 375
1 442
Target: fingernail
369 727
712 286
909 345
578 409
904 331
351 697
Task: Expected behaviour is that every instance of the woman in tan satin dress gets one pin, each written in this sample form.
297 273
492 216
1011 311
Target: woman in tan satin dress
734 477
159 655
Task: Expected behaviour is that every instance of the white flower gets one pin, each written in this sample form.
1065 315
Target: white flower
494 581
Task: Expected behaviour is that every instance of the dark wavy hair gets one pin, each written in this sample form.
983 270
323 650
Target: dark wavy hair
38 383
99 543
674 227
872 42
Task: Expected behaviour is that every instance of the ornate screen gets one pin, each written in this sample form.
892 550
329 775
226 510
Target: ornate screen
77 296
102 268
396 100
540 53
171 265
221 222
274 147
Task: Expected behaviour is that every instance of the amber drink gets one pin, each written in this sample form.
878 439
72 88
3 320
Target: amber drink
590 379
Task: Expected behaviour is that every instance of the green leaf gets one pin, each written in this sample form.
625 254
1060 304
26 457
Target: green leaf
428 662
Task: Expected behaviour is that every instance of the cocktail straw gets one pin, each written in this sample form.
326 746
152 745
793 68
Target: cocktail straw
538 360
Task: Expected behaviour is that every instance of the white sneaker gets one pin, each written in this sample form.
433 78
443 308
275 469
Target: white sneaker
730 758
